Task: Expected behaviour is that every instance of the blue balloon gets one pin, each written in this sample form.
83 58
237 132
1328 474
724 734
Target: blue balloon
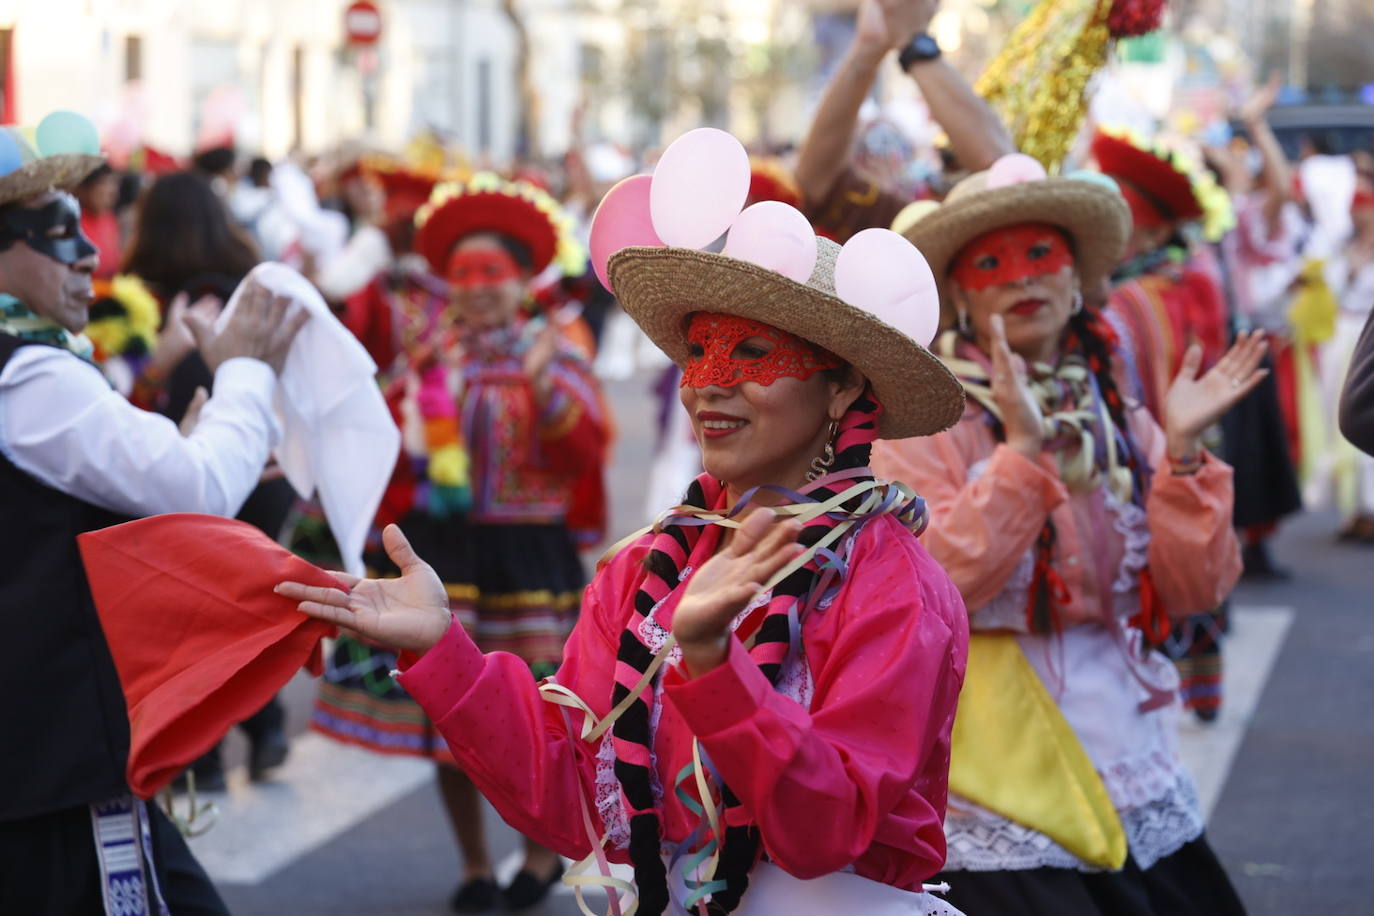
1097 178
67 132
11 156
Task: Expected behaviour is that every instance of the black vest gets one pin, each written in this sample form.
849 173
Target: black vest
64 730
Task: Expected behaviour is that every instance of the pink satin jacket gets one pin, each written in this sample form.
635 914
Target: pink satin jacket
858 777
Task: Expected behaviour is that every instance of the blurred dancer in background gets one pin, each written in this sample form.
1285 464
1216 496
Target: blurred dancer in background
505 425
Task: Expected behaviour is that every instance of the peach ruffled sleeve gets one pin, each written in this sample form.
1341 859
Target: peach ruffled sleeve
1194 553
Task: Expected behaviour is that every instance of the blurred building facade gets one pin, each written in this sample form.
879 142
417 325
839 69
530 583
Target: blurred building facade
172 71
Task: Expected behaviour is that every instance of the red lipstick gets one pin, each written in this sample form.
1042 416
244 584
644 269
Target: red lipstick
1026 307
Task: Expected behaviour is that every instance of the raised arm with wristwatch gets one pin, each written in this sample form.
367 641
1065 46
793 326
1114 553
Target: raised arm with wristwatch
837 197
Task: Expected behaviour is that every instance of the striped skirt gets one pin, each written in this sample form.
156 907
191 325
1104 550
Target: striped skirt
515 588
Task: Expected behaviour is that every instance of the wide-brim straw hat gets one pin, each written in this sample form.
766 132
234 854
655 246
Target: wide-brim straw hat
1094 215
50 173
660 288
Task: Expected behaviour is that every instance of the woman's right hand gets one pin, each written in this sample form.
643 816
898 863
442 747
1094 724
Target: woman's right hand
409 613
1022 420
726 583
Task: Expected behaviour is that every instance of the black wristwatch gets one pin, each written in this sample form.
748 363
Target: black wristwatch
921 48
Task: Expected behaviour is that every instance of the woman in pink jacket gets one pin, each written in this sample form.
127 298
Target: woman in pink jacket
780 681
1074 528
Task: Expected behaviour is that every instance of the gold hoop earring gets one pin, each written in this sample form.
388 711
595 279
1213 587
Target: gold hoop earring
821 464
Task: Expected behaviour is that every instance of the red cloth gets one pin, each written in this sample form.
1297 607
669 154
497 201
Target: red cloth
103 231
200 640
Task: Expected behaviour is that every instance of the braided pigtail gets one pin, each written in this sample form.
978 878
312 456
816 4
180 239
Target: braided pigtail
1094 336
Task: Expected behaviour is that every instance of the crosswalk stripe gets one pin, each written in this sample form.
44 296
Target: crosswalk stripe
324 789
1248 656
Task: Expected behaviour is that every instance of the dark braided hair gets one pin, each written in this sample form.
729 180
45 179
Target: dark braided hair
741 844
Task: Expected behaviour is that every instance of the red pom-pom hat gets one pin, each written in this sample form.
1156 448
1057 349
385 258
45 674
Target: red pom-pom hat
516 210
1156 190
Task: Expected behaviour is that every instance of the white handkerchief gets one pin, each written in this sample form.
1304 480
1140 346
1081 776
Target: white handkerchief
339 439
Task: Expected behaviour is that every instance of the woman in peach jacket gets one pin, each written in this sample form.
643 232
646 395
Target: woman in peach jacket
1074 527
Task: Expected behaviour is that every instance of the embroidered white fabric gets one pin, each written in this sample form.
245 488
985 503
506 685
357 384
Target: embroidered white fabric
980 840
1129 521
1007 611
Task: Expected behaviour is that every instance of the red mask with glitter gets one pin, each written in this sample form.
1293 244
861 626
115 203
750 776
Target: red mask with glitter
481 269
1010 255
723 354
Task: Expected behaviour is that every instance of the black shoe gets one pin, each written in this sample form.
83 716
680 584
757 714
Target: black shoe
478 895
268 751
1260 566
526 890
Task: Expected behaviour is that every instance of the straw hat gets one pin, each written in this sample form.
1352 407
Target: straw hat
38 174
661 287
1094 215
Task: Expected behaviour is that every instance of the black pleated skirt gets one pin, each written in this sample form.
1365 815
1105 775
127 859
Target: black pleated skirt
1191 882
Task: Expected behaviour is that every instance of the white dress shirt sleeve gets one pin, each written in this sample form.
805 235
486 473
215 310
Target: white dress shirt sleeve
62 423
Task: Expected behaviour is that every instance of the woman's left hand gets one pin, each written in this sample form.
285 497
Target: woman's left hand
1193 403
726 583
409 612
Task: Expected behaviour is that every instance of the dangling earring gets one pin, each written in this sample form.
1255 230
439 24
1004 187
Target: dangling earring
963 322
820 465
1077 303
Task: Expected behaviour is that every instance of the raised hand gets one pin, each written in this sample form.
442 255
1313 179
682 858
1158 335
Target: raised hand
540 356
726 583
887 24
1193 404
409 613
1262 99
1022 419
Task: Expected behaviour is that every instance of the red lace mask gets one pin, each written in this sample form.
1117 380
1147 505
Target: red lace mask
1011 254
481 269
724 354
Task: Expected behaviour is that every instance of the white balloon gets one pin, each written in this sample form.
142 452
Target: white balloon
882 273
700 185
774 235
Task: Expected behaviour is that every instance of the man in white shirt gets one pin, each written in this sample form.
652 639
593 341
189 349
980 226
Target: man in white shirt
74 456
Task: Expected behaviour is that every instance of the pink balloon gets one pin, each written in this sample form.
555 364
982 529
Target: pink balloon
621 220
700 185
882 273
1013 169
774 235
